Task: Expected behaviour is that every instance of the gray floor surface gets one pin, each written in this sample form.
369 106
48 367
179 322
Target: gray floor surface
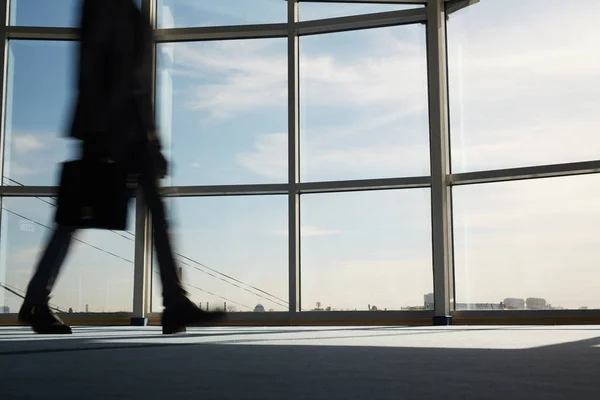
303 363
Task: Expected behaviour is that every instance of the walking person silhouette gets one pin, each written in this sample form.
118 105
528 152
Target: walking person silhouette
114 119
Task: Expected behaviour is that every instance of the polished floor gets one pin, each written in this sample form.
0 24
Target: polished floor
303 363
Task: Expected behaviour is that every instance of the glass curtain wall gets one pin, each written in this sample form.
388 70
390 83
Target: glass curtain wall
308 144
524 103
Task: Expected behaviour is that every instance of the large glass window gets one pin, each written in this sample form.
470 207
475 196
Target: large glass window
364 107
223 109
524 79
190 13
233 252
39 98
98 272
366 250
532 239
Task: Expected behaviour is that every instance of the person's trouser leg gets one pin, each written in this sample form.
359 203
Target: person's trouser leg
171 283
48 268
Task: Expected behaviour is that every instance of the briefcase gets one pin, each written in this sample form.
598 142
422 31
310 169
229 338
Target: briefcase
93 194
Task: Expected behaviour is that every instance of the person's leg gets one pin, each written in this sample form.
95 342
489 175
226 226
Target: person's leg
179 310
35 310
171 284
48 268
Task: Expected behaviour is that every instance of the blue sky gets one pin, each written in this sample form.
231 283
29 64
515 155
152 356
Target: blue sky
523 92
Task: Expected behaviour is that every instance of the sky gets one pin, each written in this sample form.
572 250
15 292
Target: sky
523 82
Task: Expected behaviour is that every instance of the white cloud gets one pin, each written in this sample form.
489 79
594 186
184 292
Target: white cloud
268 157
26 143
249 75
19 171
523 90
25 256
311 230
238 75
334 156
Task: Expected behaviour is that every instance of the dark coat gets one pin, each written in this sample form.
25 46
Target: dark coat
114 111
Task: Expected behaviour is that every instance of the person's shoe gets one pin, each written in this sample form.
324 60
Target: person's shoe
42 320
175 317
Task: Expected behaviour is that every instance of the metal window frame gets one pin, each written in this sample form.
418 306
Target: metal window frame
442 180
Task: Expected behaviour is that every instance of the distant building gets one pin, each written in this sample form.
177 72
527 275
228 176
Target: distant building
534 303
479 306
259 308
514 304
428 301
5 310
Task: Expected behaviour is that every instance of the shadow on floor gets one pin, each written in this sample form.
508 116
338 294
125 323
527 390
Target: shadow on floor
224 370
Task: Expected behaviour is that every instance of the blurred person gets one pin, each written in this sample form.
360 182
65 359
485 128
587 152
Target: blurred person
114 119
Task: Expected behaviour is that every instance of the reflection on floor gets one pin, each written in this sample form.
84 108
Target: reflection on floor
303 363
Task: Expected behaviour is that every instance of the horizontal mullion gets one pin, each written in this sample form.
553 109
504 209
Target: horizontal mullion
39 191
415 2
225 190
28 191
364 184
323 316
513 174
453 6
222 33
365 21
526 313
41 33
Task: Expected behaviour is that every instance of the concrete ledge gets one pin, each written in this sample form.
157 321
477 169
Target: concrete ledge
527 320
321 318
108 319
356 318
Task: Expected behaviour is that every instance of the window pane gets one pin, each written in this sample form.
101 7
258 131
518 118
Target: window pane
223 109
58 13
97 274
309 11
364 111
190 13
536 239
232 250
365 249
524 82
48 13
39 98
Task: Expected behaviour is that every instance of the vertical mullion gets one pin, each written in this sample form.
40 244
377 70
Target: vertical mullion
3 69
4 4
293 161
441 214
142 277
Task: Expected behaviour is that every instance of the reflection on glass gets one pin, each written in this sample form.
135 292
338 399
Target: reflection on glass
363 102
524 82
222 110
47 13
39 100
98 272
534 239
57 13
233 252
366 250
308 11
190 13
